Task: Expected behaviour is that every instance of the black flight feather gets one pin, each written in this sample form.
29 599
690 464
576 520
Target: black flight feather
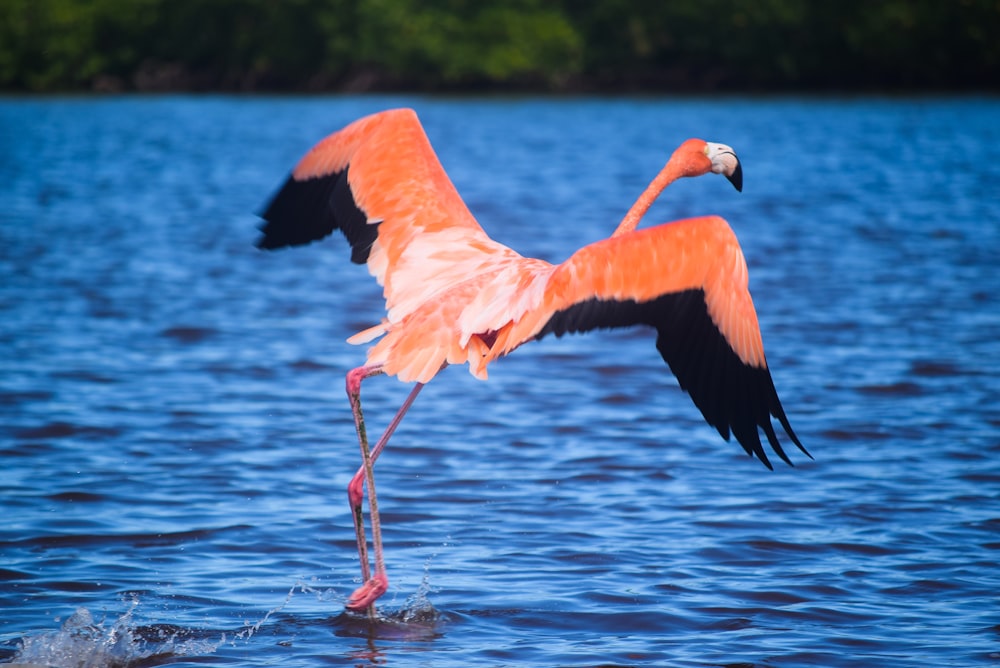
734 397
307 210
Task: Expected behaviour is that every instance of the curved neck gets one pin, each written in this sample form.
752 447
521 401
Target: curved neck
667 175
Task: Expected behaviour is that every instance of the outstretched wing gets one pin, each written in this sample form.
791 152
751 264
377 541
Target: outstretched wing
688 280
379 182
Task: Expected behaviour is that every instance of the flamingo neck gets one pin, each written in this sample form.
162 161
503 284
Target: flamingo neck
667 175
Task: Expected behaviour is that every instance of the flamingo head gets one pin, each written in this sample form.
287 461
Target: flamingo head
725 162
696 157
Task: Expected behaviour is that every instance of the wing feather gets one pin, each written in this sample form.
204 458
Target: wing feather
688 281
380 183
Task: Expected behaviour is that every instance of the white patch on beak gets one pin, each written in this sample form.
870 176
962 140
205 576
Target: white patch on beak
724 160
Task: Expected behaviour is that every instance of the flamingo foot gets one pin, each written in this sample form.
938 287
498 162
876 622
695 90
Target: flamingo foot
366 594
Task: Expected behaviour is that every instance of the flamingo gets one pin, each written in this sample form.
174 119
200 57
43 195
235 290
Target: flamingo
453 295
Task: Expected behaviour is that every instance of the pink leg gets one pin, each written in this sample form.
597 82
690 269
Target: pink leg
373 587
355 490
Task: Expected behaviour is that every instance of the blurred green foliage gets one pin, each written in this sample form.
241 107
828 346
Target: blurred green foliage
48 45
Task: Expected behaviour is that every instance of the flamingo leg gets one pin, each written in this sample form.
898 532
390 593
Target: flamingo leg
373 587
355 490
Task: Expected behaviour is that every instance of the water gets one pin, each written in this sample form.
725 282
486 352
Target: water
176 442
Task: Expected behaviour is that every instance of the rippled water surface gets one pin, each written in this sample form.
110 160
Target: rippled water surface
176 441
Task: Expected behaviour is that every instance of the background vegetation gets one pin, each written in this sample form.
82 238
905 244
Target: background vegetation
49 45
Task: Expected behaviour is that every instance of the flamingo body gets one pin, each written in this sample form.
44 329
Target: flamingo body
453 295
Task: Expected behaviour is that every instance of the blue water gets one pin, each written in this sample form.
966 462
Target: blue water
176 441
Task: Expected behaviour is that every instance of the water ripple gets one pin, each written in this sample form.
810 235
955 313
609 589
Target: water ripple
177 442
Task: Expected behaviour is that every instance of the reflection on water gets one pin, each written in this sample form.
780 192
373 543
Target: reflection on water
176 443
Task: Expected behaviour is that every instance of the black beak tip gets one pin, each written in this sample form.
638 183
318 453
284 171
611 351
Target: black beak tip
736 178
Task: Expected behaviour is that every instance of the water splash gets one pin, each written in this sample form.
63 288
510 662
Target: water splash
418 609
416 620
249 630
82 642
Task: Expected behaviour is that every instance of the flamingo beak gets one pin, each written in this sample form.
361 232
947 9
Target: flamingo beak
736 178
725 162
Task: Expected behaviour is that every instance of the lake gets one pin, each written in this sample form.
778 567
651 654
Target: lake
176 441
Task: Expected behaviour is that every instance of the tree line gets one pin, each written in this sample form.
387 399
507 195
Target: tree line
534 45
